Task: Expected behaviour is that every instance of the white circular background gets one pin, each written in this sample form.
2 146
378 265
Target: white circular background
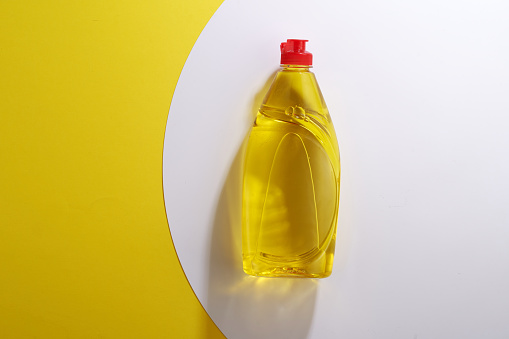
419 95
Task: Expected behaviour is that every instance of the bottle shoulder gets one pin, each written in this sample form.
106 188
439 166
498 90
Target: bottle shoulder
295 89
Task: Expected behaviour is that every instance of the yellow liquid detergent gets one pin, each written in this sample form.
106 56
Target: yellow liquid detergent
291 181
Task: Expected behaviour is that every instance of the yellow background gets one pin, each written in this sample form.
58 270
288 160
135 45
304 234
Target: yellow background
85 88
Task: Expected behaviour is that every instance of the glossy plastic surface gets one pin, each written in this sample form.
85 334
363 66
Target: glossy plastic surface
291 181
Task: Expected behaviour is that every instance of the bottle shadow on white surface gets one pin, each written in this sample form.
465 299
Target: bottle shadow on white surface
243 306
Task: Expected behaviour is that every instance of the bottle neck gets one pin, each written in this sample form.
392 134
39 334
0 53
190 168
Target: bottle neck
296 68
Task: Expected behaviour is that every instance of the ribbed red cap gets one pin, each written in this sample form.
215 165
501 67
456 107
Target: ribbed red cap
293 52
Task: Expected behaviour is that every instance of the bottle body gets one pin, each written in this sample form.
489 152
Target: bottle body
291 181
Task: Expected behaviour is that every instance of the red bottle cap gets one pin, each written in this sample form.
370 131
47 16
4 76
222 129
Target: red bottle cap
293 52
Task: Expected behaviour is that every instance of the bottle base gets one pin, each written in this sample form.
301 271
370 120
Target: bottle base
288 272
321 267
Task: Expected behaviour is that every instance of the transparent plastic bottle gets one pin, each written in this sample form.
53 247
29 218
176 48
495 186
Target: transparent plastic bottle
291 176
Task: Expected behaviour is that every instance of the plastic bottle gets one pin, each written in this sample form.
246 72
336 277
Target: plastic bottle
291 176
